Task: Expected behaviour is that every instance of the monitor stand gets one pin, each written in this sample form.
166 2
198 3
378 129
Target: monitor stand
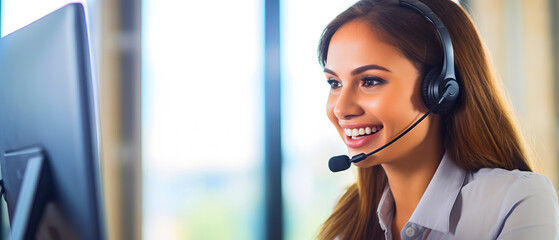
26 194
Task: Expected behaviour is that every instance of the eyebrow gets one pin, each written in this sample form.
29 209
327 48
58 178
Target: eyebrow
360 69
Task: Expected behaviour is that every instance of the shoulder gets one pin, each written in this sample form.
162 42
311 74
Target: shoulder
513 184
521 203
507 188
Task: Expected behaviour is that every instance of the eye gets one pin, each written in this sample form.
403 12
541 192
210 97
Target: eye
369 81
334 84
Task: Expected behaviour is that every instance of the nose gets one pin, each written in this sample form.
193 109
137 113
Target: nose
347 105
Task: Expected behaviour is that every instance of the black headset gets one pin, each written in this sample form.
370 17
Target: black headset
436 82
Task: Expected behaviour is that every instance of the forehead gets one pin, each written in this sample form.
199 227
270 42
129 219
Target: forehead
356 44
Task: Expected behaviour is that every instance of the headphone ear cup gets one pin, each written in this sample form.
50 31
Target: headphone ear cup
427 83
432 90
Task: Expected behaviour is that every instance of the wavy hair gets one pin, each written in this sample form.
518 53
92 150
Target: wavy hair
480 132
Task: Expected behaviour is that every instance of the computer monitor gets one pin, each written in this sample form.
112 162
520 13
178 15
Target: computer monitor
49 151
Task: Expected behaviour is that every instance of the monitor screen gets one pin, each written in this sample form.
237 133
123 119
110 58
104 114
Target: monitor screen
49 152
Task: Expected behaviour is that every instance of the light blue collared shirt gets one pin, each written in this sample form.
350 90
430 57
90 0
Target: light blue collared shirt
485 204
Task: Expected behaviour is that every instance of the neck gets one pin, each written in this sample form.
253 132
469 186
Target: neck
408 179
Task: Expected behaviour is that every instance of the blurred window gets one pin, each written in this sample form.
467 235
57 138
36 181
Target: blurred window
18 13
202 122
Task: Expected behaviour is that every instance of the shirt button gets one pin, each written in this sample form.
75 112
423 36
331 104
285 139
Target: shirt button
410 232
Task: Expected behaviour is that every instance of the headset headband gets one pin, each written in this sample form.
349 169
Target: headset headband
444 36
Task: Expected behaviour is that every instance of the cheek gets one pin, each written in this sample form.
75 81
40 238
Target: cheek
388 102
395 109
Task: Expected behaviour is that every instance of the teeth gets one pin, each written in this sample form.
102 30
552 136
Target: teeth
355 132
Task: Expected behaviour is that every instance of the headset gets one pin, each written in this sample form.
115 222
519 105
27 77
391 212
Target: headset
436 82
439 88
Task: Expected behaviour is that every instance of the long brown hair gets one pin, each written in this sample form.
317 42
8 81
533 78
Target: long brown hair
480 132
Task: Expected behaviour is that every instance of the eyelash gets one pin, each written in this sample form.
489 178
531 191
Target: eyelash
334 84
367 81
370 81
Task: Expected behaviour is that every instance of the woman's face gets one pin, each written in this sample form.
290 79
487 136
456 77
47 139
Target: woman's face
374 96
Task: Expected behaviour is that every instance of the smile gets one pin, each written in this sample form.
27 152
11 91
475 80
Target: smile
357 133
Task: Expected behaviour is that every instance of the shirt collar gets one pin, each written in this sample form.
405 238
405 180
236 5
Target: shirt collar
435 206
385 209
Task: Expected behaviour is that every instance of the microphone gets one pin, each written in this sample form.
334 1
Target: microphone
342 162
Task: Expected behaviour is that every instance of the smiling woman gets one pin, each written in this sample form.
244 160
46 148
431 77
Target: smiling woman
387 66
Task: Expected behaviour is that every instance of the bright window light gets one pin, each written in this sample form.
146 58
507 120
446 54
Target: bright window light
202 119
19 13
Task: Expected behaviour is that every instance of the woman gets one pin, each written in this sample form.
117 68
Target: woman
460 174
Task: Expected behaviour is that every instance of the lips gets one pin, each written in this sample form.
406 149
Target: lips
359 136
359 132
